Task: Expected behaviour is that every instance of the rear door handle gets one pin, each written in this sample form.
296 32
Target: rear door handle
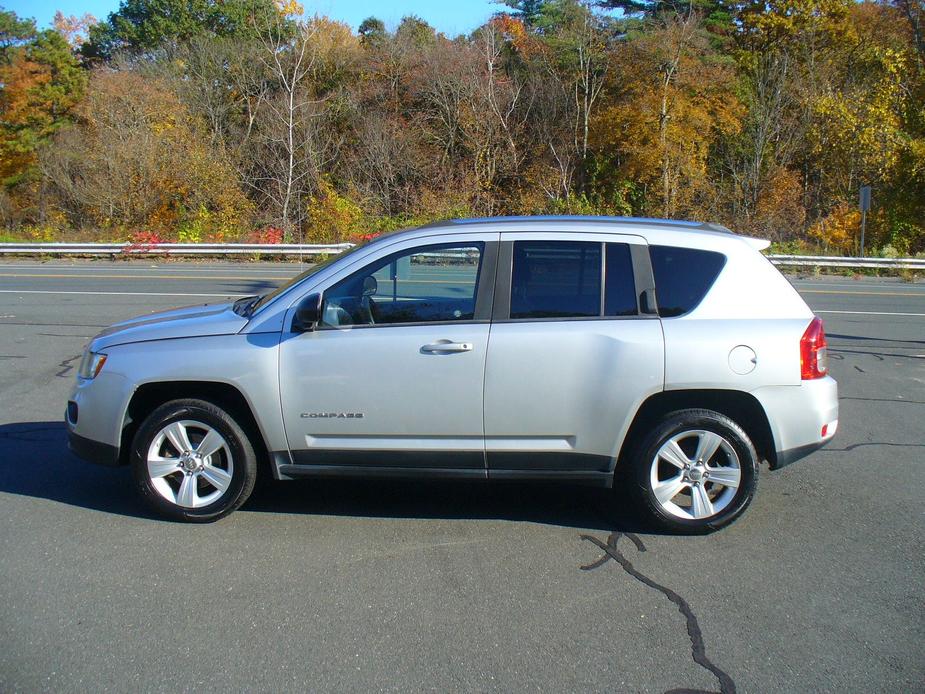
447 346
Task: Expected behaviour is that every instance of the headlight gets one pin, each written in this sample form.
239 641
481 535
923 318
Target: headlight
90 365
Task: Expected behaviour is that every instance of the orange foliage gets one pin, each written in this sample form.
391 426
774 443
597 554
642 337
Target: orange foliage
21 113
780 213
515 33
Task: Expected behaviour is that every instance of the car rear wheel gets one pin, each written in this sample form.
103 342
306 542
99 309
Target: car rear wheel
192 461
695 472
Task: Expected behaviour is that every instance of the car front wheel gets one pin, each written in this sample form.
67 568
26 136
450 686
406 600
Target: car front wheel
695 472
192 461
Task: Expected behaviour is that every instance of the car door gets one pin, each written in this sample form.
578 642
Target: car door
392 376
573 352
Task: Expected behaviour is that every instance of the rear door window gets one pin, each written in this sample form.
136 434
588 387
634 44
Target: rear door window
683 276
556 279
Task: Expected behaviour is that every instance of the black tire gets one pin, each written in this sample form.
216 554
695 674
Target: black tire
675 424
243 469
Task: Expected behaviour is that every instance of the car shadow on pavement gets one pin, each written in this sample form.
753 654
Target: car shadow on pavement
536 502
249 287
35 461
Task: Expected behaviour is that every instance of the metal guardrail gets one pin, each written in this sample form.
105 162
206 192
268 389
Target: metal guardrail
174 249
294 249
837 261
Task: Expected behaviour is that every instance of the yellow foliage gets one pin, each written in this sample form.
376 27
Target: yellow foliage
676 101
289 8
861 131
840 230
331 217
778 22
334 49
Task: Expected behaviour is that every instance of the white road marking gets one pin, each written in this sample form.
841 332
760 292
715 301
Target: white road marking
49 291
872 313
860 285
149 268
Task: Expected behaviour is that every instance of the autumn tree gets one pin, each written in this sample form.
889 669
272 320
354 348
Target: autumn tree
40 84
674 102
75 30
137 160
576 58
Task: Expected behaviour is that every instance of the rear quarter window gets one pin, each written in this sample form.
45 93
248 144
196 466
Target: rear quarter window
683 276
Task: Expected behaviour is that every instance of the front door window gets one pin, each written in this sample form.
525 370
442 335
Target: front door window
428 284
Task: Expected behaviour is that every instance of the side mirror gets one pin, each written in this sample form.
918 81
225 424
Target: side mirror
307 314
370 286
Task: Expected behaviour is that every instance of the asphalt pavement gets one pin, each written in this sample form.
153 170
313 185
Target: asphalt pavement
353 586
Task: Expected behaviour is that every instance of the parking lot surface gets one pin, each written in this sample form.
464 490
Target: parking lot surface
354 586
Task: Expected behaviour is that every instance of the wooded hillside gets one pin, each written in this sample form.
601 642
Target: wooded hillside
245 120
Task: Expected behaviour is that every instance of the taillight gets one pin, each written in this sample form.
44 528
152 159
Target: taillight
814 359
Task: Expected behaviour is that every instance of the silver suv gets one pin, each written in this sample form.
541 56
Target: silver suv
666 357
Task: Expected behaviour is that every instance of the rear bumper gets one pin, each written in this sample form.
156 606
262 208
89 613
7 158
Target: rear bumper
802 418
92 451
792 455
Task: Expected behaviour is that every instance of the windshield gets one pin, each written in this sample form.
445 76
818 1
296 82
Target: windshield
261 301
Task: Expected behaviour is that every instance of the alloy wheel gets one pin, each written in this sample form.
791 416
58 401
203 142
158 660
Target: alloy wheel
695 474
189 464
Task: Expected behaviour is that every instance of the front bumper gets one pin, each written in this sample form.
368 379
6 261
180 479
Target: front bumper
94 417
93 451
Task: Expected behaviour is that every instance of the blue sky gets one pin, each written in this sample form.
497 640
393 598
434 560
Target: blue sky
449 16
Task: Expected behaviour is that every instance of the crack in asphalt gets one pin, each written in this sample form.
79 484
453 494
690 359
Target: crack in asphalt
698 647
878 355
67 365
896 400
871 443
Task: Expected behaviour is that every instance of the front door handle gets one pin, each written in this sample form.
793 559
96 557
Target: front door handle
446 346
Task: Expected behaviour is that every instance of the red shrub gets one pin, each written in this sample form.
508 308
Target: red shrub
268 234
144 242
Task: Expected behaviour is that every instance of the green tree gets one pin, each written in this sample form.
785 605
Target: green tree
717 15
372 31
13 32
528 11
414 31
147 25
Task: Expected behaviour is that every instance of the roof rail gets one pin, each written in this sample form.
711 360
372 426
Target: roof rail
572 218
686 224
713 226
